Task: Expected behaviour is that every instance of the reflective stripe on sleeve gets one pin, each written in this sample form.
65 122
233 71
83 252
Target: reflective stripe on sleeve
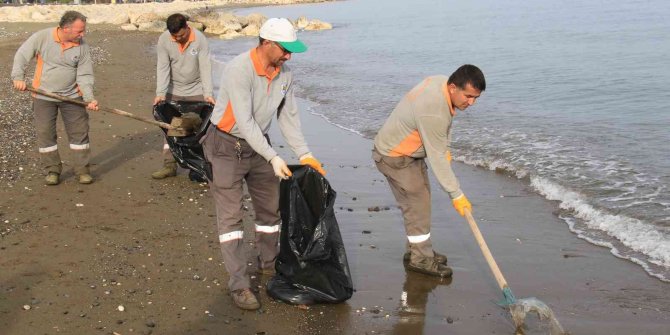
233 235
80 146
49 149
267 229
418 238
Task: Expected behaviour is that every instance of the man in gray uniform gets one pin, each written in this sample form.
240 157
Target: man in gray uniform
64 67
256 87
420 127
183 73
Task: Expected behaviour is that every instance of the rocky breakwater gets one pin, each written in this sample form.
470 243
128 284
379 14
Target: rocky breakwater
229 26
117 14
151 16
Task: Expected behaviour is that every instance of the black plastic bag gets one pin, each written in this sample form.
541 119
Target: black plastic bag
312 263
187 151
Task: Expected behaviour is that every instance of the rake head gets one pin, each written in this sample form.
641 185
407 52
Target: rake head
522 307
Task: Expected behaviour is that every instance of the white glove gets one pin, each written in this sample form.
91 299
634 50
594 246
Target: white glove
280 167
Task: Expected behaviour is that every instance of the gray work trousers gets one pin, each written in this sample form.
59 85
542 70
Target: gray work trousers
408 179
168 158
234 161
75 119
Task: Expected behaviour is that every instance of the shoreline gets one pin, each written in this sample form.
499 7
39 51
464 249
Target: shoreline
152 244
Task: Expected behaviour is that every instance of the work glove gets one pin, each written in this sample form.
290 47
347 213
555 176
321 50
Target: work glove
461 203
449 156
280 167
308 159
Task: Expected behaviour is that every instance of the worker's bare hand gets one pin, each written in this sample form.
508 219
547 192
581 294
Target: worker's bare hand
93 105
20 85
210 100
158 99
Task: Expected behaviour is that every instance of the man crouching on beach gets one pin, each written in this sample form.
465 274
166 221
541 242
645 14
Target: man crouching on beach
64 67
420 127
255 87
183 73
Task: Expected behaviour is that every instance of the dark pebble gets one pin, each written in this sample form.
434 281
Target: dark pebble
367 232
150 324
450 320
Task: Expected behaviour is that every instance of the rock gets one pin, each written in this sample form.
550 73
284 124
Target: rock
129 27
243 20
367 232
251 30
256 19
231 26
121 308
196 25
37 16
301 22
120 19
156 26
374 209
150 323
318 25
147 18
450 320
26 307
206 18
230 35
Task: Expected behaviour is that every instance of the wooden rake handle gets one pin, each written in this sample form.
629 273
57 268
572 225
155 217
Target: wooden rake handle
104 109
485 250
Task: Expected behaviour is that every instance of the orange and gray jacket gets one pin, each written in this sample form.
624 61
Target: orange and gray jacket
62 68
183 70
249 99
419 127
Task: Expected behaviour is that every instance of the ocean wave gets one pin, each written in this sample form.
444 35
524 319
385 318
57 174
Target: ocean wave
632 233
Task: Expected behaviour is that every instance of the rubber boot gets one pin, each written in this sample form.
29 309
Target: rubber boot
169 170
52 178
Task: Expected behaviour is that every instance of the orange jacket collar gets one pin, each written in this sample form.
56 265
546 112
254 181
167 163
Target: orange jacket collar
63 45
258 66
191 38
446 97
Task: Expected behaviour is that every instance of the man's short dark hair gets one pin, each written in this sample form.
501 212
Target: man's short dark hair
69 17
468 74
176 22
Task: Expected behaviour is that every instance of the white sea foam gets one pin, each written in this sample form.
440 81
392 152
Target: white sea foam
313 112
631 232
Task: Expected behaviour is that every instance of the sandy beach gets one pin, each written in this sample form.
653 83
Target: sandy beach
72 254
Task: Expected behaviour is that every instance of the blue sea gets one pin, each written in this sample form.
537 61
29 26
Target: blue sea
576 104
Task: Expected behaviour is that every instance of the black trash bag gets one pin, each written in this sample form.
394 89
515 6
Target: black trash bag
312 263
186 150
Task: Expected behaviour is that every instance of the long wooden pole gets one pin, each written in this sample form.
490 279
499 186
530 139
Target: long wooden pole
485 250
104 109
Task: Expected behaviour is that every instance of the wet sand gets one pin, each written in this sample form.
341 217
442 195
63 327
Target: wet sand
74 253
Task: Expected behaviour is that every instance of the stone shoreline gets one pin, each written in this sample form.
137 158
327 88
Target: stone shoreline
151 16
